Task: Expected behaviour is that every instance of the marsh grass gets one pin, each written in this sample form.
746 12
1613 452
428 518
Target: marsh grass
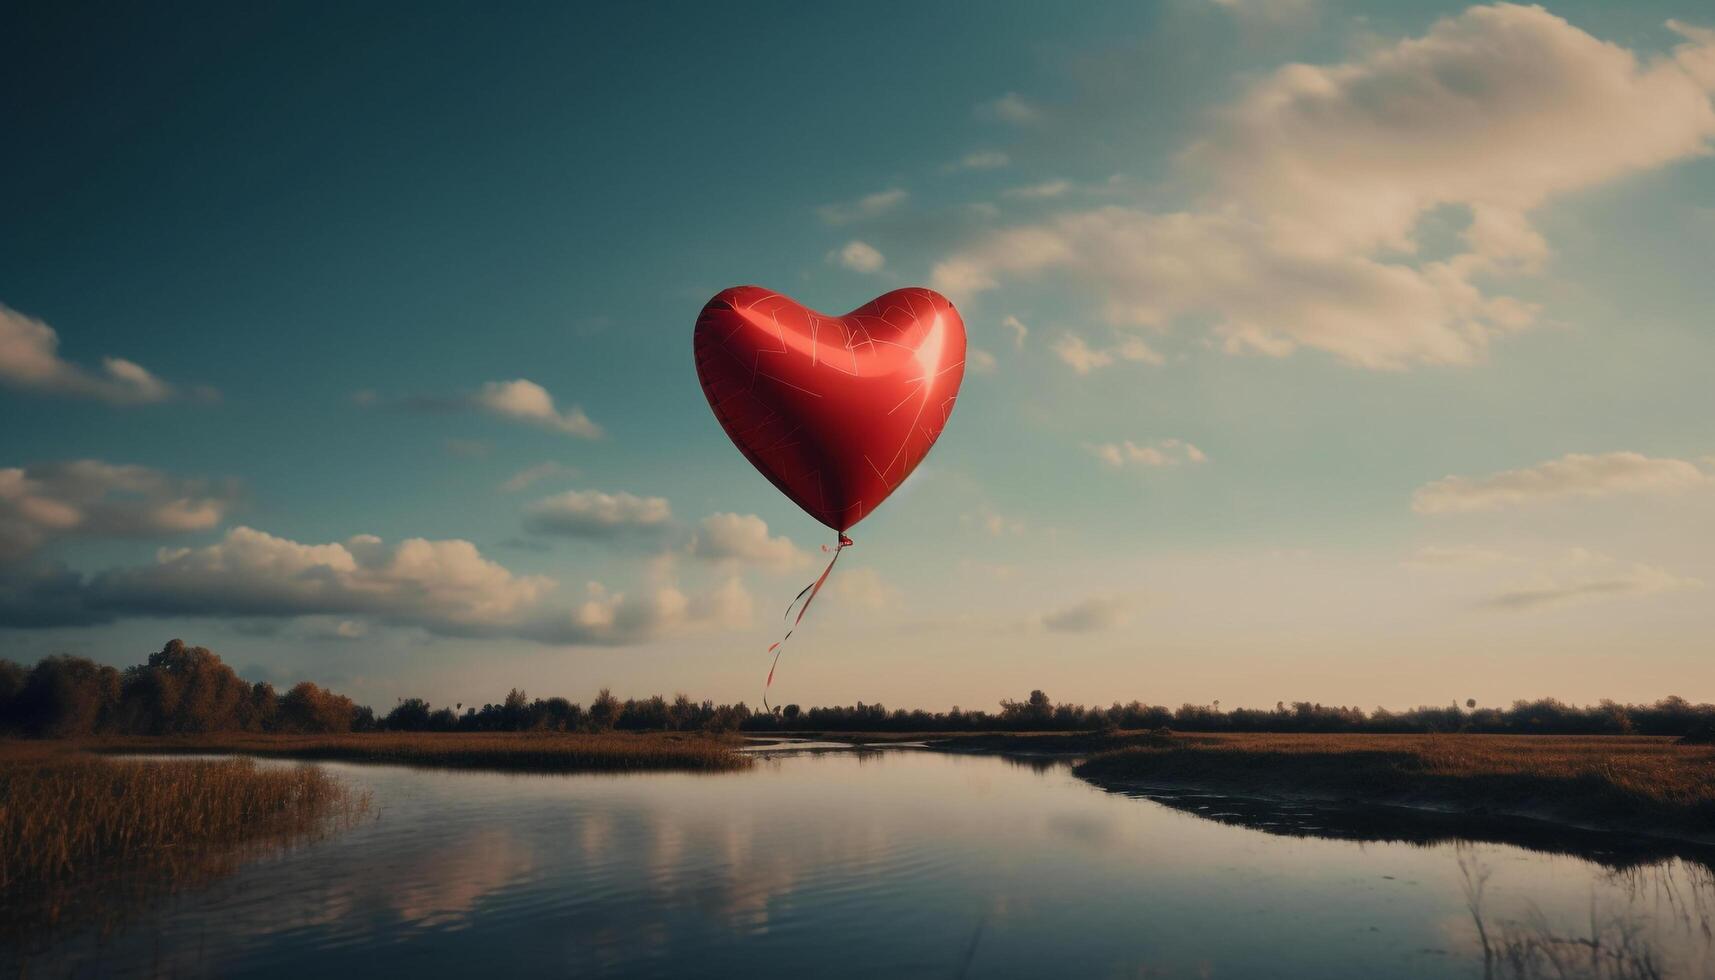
504 751
84 837
1632 783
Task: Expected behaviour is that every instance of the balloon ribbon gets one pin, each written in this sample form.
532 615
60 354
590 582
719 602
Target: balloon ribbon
811 591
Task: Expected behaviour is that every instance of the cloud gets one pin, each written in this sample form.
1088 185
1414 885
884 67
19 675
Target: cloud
1010 108
1082 358
744 538
1318 177
1572 475
1582 575
858 257
1166 453
90 498
520 400
864 588
529 476
528 401
981 160
1090 616
30 361
980 361
992 522
868 206
1040 192
445 587
594 514
607 617
1019 331
1457 557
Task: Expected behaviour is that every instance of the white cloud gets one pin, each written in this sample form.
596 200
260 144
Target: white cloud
30 361
868 206
608 617
1040 192
1077 354
1457 557
528 401
858 257
980 361
445 587
863 588
441 585
91 498
1319 176
981 160
594 514
1010 108
992 522
1165 453
1090 616
531 475
1572 475
1581 576
1019 331
744 538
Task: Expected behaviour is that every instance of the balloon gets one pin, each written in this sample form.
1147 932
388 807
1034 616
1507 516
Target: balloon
836 411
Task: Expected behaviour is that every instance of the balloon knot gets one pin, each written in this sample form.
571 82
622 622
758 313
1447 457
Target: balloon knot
845 542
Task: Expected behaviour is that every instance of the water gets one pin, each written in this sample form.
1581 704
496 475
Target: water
864 864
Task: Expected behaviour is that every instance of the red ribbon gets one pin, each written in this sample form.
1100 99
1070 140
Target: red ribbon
811 590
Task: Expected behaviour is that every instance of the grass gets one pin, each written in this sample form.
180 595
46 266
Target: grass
507 751
82 836
1631 783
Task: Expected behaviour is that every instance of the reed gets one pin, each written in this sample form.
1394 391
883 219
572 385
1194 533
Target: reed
80 833
508 751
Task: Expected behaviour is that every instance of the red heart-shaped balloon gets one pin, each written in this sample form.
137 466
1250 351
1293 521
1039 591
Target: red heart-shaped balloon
836 411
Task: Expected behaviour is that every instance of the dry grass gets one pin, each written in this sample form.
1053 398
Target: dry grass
509 751
1632 783
81 835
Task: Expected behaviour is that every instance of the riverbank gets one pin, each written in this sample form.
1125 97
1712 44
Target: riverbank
505 751
1632 784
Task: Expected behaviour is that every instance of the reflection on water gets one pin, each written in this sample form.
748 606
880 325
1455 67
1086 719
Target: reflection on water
898 863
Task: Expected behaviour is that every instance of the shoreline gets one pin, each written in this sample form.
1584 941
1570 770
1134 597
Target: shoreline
1641 786
1637 786
537 752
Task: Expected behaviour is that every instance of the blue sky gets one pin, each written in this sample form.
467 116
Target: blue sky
1343 352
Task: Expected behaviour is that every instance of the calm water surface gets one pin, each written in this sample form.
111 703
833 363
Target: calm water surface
863 864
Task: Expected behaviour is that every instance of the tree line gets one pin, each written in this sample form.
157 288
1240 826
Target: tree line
186 690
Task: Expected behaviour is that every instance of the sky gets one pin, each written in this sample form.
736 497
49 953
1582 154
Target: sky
1351 353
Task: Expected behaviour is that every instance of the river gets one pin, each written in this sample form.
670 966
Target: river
895 863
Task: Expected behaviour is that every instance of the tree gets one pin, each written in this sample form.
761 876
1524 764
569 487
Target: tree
12 677
184 689
265 707
515 711
309 708
65 695
604 710
409 715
